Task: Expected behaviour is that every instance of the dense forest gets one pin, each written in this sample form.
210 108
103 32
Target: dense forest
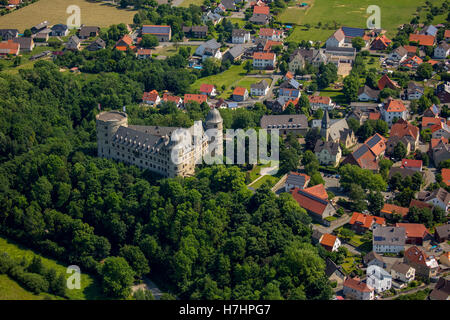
206 236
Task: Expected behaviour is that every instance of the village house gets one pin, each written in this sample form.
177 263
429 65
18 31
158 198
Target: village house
355 289
378 278
208 89
402 272
162 33
240 94
264 60
362 223
296 180
416 233
330 242
374 259
366 93
240 36
151 98
425 266
388 239
328 153
87 32
315 201
285 123
259 89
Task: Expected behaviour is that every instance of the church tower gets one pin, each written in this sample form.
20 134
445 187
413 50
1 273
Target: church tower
326 123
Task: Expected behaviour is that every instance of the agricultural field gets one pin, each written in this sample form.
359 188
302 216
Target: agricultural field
350 13
96 14
90 289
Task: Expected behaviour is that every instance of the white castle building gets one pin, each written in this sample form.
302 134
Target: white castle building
152 147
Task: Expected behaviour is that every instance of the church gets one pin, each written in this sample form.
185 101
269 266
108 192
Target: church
337 130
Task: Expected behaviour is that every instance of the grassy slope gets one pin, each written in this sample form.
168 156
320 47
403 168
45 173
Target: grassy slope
90 289
54 12
351 13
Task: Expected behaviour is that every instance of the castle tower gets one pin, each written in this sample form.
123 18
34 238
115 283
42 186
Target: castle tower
214 121
107 123
326 123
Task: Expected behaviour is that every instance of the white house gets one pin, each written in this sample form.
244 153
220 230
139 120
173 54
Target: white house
403 272
393 109
240 36
378 278
442 51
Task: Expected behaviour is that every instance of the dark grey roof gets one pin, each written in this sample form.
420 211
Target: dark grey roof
156 29
394 236
288 121
296 180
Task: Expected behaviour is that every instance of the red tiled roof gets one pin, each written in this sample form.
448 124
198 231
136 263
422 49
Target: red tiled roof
409 163
264 55
328 240
422 39
386 81
239 91
200 98
206 88
357 285
261 10
394 105
445 173
318 191
319 99
366 220
413 230
150 96
390 208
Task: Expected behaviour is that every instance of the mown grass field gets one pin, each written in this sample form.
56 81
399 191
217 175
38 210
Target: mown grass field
90 288
350 13
96 14
231 78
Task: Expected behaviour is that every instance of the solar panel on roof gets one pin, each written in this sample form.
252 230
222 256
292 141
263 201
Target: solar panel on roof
360 151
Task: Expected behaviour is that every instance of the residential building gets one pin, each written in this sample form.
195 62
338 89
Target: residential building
162 33
366 93
208 89
296 180
355 289
259 89
362 223
415 232
26 43
315 201
442 51
285 123
389 210
374 259
388 239
240 94
441 290
378 278
240 36
150 147
87 32
426 266
328 153
151 98
264 60
442 233
9 47
59 30
402 272
330 242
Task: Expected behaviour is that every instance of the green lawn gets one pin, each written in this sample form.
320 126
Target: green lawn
90 288
350 13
